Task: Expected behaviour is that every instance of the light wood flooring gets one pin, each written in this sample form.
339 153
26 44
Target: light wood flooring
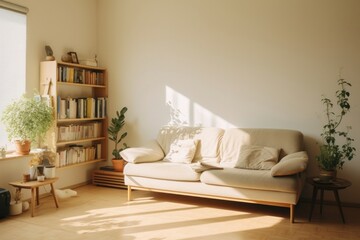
103 213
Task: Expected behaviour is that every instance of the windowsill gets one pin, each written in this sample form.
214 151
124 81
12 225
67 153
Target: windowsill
14 155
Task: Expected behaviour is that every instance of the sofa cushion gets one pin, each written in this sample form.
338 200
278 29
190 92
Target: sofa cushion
182 151
150 153
257 157
250 179
209 140
162 170
289 141
290 164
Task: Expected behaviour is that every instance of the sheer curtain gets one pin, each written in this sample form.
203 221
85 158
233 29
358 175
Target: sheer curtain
12 57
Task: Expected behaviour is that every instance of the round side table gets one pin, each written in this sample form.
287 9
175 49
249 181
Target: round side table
332 185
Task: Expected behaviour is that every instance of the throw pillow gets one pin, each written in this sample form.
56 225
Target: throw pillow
182 151
152 152
290 164
257 157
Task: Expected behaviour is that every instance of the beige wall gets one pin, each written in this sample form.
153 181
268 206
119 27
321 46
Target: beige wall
65 25
232 63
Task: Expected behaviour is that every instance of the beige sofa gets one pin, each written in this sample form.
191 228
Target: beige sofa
263 166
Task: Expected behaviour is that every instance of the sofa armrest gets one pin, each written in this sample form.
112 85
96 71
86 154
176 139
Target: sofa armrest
152 152
290 164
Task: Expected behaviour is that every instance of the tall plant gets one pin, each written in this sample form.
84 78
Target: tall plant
332 155
117 123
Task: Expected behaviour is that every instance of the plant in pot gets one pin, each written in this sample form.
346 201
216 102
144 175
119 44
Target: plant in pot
16 205
25 120
116 125
337 146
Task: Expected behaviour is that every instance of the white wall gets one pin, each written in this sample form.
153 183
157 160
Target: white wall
64 25
232 63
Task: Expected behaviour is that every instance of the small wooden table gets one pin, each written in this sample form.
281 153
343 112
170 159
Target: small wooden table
333 185
34 186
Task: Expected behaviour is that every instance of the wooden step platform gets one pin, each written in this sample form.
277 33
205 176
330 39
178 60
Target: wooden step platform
108 179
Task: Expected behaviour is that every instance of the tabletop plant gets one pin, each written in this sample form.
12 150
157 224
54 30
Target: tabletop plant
116 125
27 119
337 146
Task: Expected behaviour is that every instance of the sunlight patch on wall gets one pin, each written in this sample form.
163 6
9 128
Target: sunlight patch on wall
184 112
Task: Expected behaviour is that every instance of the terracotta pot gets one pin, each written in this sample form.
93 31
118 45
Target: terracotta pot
22 147
327 175
118 165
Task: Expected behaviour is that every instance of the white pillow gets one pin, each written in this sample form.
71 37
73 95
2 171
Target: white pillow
152 152
182 151
290 164
257 157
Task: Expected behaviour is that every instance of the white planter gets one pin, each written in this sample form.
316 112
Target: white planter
15 208
49 172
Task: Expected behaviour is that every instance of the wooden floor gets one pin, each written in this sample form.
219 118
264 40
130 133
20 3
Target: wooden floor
103 213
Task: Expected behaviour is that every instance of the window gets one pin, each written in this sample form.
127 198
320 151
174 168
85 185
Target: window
12 57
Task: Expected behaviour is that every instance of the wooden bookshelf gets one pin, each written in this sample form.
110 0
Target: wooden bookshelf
78 94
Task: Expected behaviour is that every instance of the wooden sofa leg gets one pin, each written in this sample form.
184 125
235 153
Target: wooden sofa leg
129 193
291 213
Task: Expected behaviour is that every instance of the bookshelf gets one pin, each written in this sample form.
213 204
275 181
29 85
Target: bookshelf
78 94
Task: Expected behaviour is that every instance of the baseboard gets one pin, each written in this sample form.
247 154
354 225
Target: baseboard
331 203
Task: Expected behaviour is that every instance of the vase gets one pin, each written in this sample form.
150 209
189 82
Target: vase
327 175
118 165
22 147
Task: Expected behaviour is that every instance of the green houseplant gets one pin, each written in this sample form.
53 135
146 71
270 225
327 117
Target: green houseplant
25 120
116 125
337 146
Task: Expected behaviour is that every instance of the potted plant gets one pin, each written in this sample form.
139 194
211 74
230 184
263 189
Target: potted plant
117 123
25 120
335 151
16 205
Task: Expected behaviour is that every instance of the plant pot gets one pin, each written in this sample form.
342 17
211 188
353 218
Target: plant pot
15 208
49 171
22 147
118 165
327 175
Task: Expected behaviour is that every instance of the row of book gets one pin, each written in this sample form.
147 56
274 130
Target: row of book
81 107
82 76
77 154
77 132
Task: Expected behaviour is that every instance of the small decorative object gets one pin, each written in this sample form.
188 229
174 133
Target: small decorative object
26 177
32 172
42 163
49 53
2 152
25 120
116 125
49 171
16 205
40 178
74 58
333 155
66 58
90 62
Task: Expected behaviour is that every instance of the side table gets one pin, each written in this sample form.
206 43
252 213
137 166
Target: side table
34 186
332 185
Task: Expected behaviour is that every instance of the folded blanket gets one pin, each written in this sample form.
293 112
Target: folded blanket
202 166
